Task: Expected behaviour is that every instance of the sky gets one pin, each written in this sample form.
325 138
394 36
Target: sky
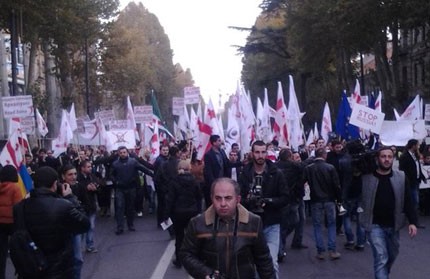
201 40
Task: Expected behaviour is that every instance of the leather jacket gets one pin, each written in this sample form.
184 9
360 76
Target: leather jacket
323 181
237 250
275 192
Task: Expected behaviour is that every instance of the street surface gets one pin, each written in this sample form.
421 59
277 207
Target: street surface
147 254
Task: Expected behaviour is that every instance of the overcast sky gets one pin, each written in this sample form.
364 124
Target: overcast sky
201 40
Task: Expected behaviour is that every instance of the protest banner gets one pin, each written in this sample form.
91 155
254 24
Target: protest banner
18 106
367 118
191 95
143 114
177 106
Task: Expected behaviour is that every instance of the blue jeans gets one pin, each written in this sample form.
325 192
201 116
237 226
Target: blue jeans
271 234
78 259
415 194
351 210
89 236
298 230
317 211
124 205
385 248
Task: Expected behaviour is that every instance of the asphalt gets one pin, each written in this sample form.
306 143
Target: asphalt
147 254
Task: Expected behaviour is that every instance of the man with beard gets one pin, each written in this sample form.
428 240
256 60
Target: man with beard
265 193
386 199
125 173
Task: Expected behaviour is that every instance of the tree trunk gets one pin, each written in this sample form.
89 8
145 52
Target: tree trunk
54 110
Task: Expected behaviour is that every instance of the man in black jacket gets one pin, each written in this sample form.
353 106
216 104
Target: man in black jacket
409 162
52 220
226 241
325 191
293 215
88 185
265 192
125 173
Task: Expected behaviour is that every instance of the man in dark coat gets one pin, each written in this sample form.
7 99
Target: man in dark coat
226 241
409 162
52 220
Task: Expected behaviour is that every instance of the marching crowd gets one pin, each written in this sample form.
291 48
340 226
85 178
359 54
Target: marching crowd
231 213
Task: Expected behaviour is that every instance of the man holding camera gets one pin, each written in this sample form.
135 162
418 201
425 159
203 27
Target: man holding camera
226 241
265 193
52 221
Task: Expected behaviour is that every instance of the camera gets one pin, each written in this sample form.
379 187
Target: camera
60 189
256 195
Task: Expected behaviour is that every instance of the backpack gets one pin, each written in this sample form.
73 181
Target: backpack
27 258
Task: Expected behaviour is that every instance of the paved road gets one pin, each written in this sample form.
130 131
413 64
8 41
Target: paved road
147 254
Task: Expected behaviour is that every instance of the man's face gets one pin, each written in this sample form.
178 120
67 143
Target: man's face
311 147
235 149
70 176
320 143
296 157
259 154
225 200
385 159
217 143
87 168
338 148
232 156
164 151
82 155
123 153
28 160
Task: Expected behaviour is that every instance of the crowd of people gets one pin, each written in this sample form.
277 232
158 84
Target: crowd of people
231 213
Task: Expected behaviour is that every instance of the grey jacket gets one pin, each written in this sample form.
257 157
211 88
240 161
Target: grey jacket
370 185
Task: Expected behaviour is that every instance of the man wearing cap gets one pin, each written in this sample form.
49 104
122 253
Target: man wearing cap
52 220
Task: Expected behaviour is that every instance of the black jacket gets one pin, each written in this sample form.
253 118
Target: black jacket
125 172
184 196
52 221
209 244
407 164
293 173
323 181
87 198
274 191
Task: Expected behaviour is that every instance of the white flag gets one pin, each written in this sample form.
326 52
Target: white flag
412 112
65 136
326 125
72 118
294 118
131 120
41 124
280 125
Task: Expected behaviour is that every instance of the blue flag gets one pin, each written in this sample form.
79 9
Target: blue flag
343 128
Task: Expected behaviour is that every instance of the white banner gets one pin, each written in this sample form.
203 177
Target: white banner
28 125
367 118
121 138
427 112
178 106
396 133
90 134
191 95
105 115
426 171
118 125
18 106
143 114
